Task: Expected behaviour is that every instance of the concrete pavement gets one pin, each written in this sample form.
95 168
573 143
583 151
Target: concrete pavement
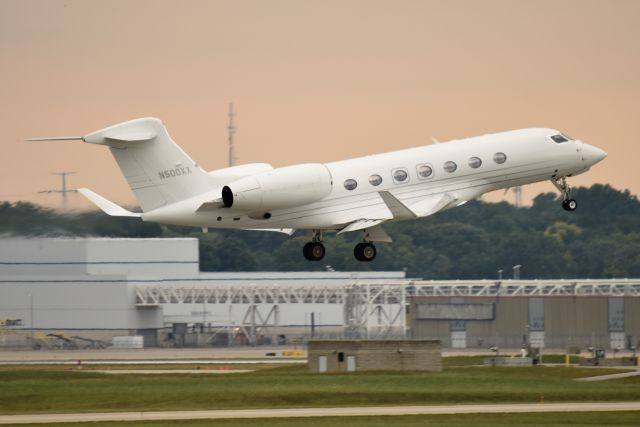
322 412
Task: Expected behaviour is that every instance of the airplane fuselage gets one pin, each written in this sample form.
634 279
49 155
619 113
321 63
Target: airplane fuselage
527 155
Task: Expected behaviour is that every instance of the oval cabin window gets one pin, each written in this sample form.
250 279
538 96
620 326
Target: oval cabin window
475 162
400 175
425 171
499 158
375 180
450 166
350 184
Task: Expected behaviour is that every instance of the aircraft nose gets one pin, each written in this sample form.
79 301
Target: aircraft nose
592 155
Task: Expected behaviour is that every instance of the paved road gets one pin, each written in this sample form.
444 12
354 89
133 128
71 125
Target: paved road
611 376
322 412
171 371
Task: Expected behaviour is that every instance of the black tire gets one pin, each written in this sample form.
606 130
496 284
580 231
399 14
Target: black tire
365 252
306 251
317 251
369 252
569 205
313 251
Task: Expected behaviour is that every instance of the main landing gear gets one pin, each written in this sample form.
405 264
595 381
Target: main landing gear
365 252
568 204
314 250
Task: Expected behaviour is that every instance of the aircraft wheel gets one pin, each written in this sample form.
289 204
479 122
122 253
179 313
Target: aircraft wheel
365 252
313 251
569 205
357 251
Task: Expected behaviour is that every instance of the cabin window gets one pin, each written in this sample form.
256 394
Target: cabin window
559 138
499 158
375 180
424 171
350 184
400 175
475 162
450 166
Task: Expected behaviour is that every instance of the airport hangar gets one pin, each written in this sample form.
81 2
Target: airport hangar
102 287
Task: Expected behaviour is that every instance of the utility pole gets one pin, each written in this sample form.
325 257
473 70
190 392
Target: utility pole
63 190
517 191
232 131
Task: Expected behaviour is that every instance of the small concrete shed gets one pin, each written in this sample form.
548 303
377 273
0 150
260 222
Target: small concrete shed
374 355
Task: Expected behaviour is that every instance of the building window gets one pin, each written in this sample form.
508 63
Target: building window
400 175
475 162
425 171
375 180
499 158
450 166
350 184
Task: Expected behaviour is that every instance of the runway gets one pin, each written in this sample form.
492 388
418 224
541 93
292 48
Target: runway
322 412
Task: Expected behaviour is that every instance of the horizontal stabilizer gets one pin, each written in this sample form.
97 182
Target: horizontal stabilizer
361 224
210 206
131 136
107 207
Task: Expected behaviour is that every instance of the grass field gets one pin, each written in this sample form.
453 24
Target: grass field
43 389
477 420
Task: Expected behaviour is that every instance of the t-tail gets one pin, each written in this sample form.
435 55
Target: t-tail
158 171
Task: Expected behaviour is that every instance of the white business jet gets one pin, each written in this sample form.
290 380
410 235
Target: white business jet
356 195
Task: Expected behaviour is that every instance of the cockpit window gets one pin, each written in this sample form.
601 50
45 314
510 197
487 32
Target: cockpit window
559 138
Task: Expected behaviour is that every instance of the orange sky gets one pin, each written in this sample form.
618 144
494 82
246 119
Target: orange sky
312 81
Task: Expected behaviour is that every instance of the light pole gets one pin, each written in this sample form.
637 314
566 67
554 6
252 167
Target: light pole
500 275
516 272
31 313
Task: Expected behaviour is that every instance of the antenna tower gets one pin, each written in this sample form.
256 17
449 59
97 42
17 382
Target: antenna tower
63 190
232 131
517 191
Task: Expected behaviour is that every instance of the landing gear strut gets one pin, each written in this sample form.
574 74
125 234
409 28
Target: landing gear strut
314 250
365 252
568 204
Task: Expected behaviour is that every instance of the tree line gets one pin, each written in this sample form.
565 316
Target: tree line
599 240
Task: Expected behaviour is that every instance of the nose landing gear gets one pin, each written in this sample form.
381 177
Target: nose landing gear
568 204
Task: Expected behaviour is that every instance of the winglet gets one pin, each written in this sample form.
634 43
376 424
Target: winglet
398 209
107 207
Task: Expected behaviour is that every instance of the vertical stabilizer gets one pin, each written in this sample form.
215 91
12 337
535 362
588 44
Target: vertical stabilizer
157 170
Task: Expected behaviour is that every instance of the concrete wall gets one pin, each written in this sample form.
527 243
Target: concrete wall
372 355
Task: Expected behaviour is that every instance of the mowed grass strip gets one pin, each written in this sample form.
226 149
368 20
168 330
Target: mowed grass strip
477 420
42 391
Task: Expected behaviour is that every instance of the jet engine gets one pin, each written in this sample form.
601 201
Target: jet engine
285 187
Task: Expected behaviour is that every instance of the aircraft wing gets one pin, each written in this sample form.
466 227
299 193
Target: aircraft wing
425 207
361 224
287 231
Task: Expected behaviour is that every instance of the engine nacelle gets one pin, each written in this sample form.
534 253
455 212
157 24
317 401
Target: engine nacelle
285 187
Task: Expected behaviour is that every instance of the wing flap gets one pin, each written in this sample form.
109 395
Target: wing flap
361 224
287 231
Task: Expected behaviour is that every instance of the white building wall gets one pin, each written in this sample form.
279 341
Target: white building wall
90 284
73 303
